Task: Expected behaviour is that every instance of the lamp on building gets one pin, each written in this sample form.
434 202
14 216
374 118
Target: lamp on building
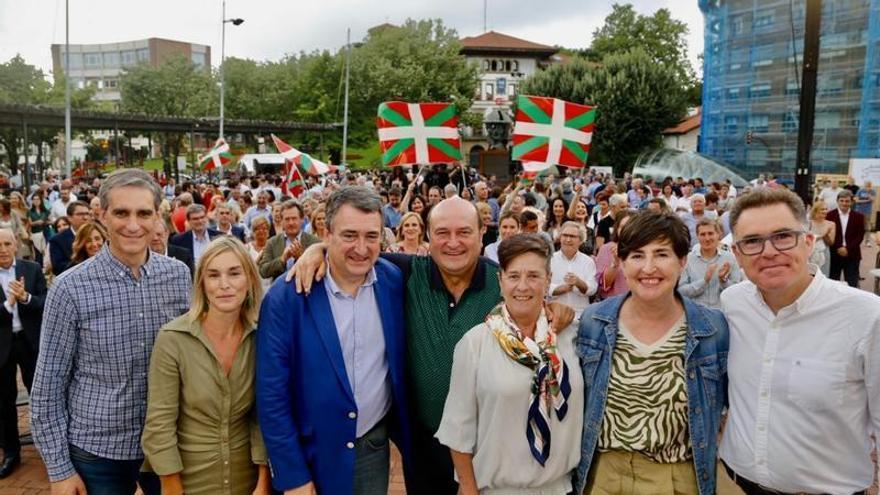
235 22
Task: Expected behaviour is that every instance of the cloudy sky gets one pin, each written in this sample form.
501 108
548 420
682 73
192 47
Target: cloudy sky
275 28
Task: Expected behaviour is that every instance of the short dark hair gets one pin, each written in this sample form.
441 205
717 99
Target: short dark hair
360 197
646 227
527 216
763 196
520 244
71 208
292 203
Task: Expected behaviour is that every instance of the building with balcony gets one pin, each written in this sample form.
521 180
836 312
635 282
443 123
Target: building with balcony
101 65
751 83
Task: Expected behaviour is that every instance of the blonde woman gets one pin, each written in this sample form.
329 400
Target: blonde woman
317 221
201 434
410 236
90 238
824 230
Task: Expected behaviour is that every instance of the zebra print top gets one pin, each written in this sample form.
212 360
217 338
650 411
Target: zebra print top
646 408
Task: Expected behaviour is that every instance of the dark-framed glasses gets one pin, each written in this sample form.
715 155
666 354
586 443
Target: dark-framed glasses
781 241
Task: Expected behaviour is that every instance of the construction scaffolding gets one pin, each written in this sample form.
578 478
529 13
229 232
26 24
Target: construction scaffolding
751 84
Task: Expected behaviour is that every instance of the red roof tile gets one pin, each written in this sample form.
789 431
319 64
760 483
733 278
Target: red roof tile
686 125
496 41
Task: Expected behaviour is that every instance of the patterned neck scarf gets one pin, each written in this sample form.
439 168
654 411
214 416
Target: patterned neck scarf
550 387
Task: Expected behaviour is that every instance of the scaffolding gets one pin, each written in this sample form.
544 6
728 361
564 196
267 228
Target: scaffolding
751 84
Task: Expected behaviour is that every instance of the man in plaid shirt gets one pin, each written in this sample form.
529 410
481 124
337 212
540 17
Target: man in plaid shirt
89 396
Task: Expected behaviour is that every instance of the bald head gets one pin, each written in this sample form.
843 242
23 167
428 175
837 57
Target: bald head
454 207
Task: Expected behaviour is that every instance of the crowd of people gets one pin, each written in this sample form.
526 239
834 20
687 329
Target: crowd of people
556 335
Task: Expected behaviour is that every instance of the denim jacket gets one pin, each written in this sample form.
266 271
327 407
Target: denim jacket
705 362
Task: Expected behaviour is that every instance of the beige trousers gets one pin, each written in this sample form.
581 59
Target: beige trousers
631 473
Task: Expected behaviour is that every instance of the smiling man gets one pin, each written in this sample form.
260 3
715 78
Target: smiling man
329 433
89 397
804 365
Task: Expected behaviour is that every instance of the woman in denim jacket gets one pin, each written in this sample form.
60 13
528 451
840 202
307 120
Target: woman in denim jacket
654 366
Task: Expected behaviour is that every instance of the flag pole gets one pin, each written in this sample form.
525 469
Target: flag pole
344 159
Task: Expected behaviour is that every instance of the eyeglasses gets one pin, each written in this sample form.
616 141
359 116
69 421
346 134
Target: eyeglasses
781 241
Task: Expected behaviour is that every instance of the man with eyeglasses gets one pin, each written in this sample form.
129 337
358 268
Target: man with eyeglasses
804 362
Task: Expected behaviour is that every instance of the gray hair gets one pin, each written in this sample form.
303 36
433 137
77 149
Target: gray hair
360 197
129 177
11 234
450 188
846 193
699 196
618 199
582 231
193 209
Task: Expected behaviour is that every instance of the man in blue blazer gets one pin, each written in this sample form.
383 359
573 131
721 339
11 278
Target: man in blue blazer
61 244
197 238
330 365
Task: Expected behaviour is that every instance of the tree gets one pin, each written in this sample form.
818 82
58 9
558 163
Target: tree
177 88
661 36
417 62
636 98
25 84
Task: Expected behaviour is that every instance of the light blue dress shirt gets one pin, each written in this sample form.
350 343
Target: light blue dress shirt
359 326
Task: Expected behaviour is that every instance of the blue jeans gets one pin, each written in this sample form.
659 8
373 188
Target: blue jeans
104 476
372 454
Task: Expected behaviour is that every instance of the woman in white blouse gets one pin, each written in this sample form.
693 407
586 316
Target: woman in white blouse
503 436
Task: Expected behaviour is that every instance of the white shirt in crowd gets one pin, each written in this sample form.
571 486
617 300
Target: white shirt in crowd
6 277
581 265
804 388
844 220
829 196
59 208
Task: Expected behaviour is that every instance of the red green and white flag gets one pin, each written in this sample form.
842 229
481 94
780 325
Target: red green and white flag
550 131
309 164
217 157
418 133
293 184
286 150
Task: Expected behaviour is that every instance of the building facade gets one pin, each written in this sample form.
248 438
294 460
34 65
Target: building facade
503 62
101 65
751 84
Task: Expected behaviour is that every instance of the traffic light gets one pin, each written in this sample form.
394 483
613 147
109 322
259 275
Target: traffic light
749 137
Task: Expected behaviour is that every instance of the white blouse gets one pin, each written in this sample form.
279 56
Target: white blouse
486 413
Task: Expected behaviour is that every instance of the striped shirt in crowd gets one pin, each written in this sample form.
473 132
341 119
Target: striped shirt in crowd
90 386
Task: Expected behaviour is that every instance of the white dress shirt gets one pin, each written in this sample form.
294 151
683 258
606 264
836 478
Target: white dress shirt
804 387
581 265
844 220
6 277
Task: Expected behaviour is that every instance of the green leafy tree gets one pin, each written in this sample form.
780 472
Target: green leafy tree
418 62
661 36
25 84
177 88
636 98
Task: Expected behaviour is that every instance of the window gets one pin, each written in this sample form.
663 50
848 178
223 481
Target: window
733 93
832 85
143 55
790 122
111 83
516 65
730 123
489 91
485 65
507 66
128 58
76 61
764 18
737 25
760 90
511 90
827 120
791 88
93 60
759 123
198 59
111 59
494 66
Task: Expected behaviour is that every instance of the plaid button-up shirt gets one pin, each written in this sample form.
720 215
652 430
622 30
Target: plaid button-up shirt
90 386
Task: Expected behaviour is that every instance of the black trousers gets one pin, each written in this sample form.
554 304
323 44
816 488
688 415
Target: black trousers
432 470
23 356
849 267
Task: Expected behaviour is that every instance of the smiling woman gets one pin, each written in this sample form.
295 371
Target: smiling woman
492 393
652 410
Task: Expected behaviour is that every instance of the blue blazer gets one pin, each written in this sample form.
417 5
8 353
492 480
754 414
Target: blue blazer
304 399
60 250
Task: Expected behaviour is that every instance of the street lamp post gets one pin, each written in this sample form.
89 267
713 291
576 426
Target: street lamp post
235 22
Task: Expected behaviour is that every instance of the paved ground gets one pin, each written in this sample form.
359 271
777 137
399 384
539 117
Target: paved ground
30 478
